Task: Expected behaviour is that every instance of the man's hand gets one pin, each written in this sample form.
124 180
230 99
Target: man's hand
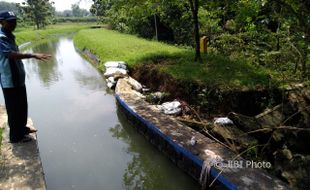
41 56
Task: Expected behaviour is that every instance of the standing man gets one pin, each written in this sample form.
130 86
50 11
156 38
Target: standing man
12 79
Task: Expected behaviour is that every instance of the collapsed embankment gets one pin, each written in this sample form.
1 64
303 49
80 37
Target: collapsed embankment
255 133
270 124
208 98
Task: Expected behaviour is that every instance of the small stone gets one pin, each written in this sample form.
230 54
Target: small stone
287 154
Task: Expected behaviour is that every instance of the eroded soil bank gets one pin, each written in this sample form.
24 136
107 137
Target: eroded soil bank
269 124
207 98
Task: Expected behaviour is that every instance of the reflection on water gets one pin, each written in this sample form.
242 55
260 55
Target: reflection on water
48 72
85 143
148 168
86 79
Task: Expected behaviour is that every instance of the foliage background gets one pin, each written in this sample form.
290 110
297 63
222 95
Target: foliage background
269 33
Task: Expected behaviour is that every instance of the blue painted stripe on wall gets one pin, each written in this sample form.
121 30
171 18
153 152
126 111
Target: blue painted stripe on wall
214 173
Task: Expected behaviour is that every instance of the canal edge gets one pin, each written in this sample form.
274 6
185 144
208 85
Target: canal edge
20 163
173 140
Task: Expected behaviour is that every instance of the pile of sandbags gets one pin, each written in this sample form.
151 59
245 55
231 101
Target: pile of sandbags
118 69
115 70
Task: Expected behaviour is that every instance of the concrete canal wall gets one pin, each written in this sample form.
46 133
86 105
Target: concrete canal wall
20 164
174 139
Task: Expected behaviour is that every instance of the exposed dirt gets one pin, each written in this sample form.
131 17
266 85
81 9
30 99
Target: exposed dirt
207 99
275 122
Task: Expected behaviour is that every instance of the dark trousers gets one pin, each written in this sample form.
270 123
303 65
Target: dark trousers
17 111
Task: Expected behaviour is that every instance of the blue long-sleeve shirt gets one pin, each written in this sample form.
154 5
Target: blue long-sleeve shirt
12 72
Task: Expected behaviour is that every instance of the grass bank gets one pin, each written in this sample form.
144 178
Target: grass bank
175 61
30 35
111 45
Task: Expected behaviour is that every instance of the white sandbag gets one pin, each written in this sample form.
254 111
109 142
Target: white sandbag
170 108
119 75
135 84
110 71
111 80
110 85
116 64
223 121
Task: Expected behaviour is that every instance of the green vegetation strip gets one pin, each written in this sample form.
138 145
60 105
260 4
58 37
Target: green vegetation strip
30 35
111 45
215 70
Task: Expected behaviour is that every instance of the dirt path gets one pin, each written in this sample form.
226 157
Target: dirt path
20 164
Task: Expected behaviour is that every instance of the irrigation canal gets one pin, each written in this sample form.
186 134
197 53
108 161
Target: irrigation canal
84 141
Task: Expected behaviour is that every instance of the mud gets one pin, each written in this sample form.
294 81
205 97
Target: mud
207 99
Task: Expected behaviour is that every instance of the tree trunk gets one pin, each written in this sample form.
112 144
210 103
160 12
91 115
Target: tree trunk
194 4
304 68
37 24
156 30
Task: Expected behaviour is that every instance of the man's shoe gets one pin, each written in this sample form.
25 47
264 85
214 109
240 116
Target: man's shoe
31 130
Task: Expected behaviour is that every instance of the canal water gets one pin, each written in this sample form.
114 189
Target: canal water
84 140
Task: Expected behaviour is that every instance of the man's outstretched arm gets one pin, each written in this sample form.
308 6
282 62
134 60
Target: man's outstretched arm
18 55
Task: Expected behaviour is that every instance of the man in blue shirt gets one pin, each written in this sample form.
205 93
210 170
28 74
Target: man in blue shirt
12 79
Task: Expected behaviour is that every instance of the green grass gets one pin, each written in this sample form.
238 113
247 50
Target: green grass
111 45
29 34
215 70
76 19
219 71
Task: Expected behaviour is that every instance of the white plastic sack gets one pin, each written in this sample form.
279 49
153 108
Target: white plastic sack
223 121
170 108
110 71
111 79
111 82
116 64
110 85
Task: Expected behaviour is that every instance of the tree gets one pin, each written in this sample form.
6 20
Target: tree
289 21
298 12
101 7
65 13
172 19
273 33
77 11
40 12
194 5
